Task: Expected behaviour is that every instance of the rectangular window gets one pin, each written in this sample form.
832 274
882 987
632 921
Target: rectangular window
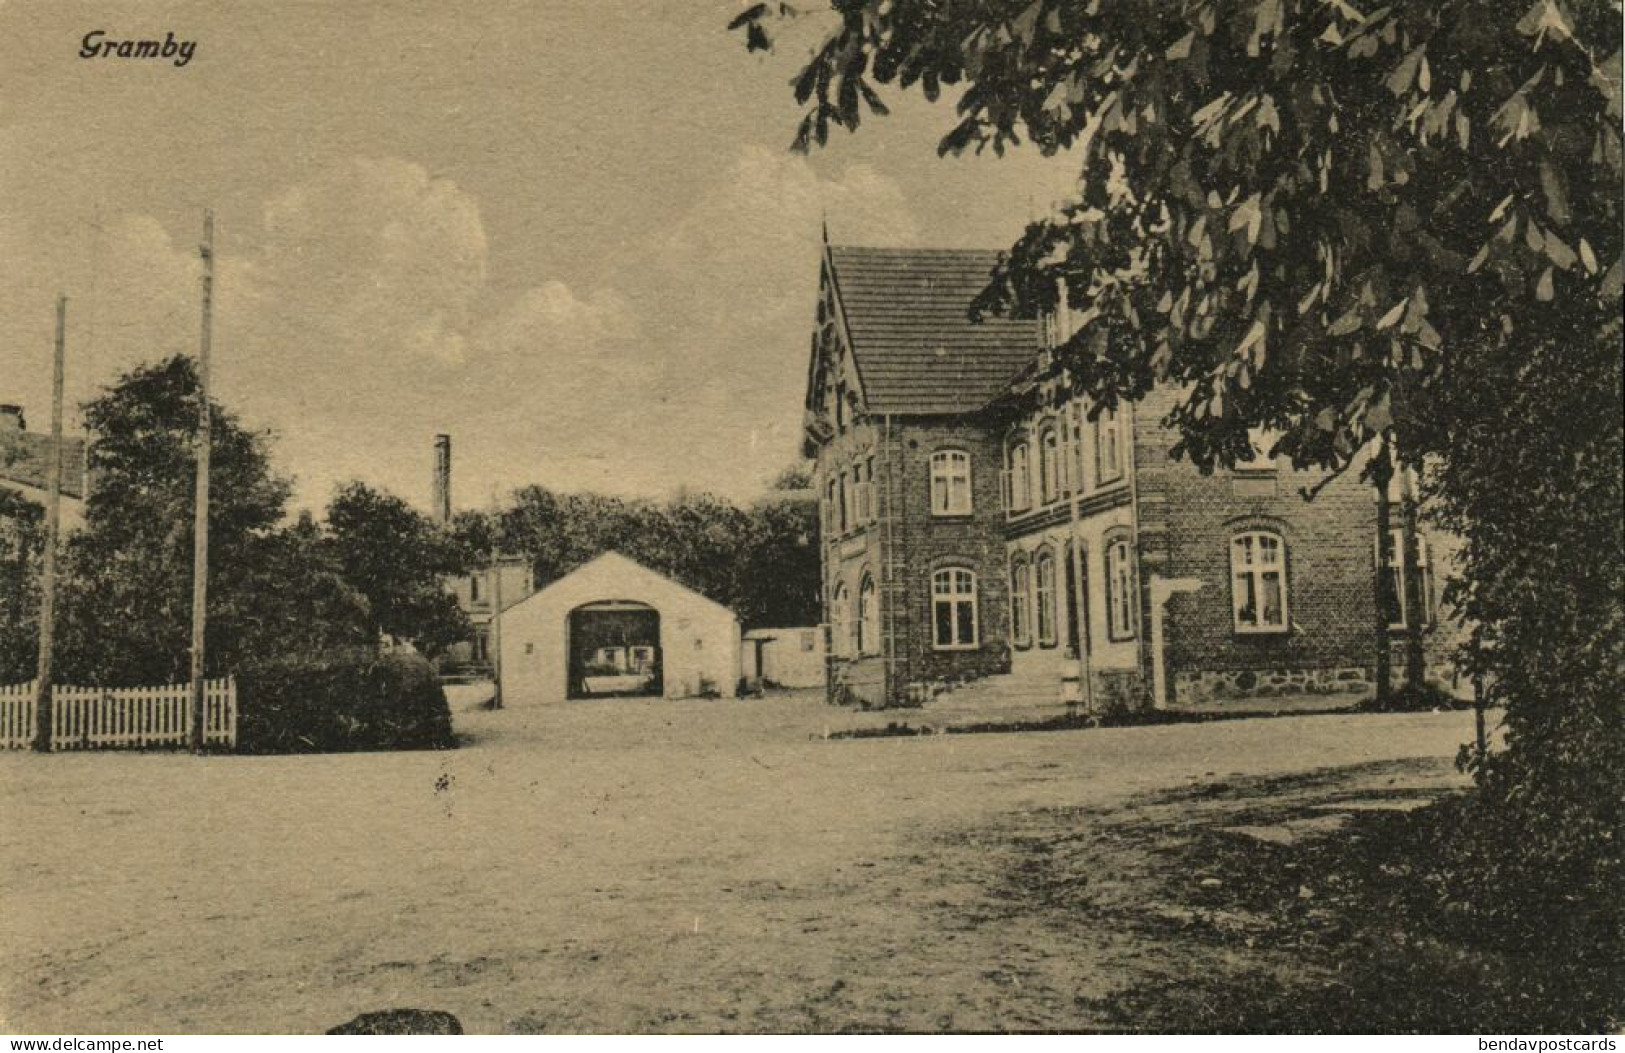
1049 464
950 483
1397 607
953 609
1019 486
1046 600
1258 582
1020 598
1108 448
1120 600
869 479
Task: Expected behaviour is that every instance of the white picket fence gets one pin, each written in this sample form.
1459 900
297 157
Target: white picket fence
129 717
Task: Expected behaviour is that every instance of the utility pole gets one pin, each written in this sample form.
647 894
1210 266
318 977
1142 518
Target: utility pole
53 525
496 627
200 521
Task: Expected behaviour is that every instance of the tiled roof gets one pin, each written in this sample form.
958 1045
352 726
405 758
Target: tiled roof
916 350
25 458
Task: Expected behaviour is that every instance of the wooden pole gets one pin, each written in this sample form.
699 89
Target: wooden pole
200 521
53 525
496 629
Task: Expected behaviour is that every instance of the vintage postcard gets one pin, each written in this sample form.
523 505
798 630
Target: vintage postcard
873 516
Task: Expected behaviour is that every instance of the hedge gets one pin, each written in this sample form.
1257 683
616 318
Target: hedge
342 703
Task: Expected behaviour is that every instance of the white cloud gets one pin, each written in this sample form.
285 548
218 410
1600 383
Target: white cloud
362 319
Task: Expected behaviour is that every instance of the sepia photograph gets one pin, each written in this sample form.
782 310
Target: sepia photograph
883 517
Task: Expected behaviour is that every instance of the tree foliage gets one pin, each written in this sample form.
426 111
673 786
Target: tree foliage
1309 214
126 593
22 541
760 561
1347 222
399 560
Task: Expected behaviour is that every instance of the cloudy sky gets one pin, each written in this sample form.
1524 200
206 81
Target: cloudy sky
568 233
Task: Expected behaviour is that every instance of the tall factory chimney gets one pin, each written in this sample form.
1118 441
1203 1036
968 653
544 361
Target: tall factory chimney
442 479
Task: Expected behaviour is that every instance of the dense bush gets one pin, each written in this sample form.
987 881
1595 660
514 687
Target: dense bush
343 703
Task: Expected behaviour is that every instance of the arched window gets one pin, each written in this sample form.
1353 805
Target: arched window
950 483
1258 582
1020 602
868 617
840 622
1108 448
1045 576
953 609
1120 602
1018 478
1049 463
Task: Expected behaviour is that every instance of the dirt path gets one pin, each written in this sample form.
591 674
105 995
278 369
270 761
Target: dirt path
637 866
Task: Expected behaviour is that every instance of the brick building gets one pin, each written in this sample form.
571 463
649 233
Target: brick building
974 530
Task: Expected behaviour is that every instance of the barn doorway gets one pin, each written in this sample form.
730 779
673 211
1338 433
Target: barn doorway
614 648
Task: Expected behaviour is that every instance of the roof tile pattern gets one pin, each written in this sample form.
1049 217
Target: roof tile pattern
916 350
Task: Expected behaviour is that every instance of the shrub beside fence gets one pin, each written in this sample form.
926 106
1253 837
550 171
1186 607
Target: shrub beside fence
120 717
344 703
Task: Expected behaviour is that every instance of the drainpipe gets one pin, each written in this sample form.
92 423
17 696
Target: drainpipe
1080 597
1162 589
888 577
1131 448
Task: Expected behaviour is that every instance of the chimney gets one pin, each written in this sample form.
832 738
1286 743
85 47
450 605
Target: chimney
11 417
442 479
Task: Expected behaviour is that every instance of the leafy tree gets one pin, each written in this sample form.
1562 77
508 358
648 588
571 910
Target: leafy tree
22 541
798 476
780 571
126 600
1326 219
1353 224
762 562
399 560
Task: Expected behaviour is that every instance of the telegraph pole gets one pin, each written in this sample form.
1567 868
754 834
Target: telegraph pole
200 521
53 525
496 627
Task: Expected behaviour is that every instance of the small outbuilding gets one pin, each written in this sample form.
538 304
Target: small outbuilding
792 657
615 628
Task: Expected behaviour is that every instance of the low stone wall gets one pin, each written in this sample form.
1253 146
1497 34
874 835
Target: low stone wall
1214 685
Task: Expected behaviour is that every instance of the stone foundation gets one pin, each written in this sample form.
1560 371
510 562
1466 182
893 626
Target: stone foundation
1217 685
1119 689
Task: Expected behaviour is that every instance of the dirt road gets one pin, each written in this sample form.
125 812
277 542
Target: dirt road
608 866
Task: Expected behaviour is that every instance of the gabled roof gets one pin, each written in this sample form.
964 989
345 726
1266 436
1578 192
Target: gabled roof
915 347
612 576
25 459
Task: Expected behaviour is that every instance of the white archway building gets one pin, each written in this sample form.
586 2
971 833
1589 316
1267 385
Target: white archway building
615 627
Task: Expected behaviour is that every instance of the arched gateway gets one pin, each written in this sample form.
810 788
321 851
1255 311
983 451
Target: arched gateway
615 628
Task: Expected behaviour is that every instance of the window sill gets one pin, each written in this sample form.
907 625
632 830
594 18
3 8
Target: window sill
956 647
1264 633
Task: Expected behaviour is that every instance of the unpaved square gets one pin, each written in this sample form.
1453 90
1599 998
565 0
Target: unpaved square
618 866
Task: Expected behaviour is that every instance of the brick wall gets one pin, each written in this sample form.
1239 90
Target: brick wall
926 543
1187 522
